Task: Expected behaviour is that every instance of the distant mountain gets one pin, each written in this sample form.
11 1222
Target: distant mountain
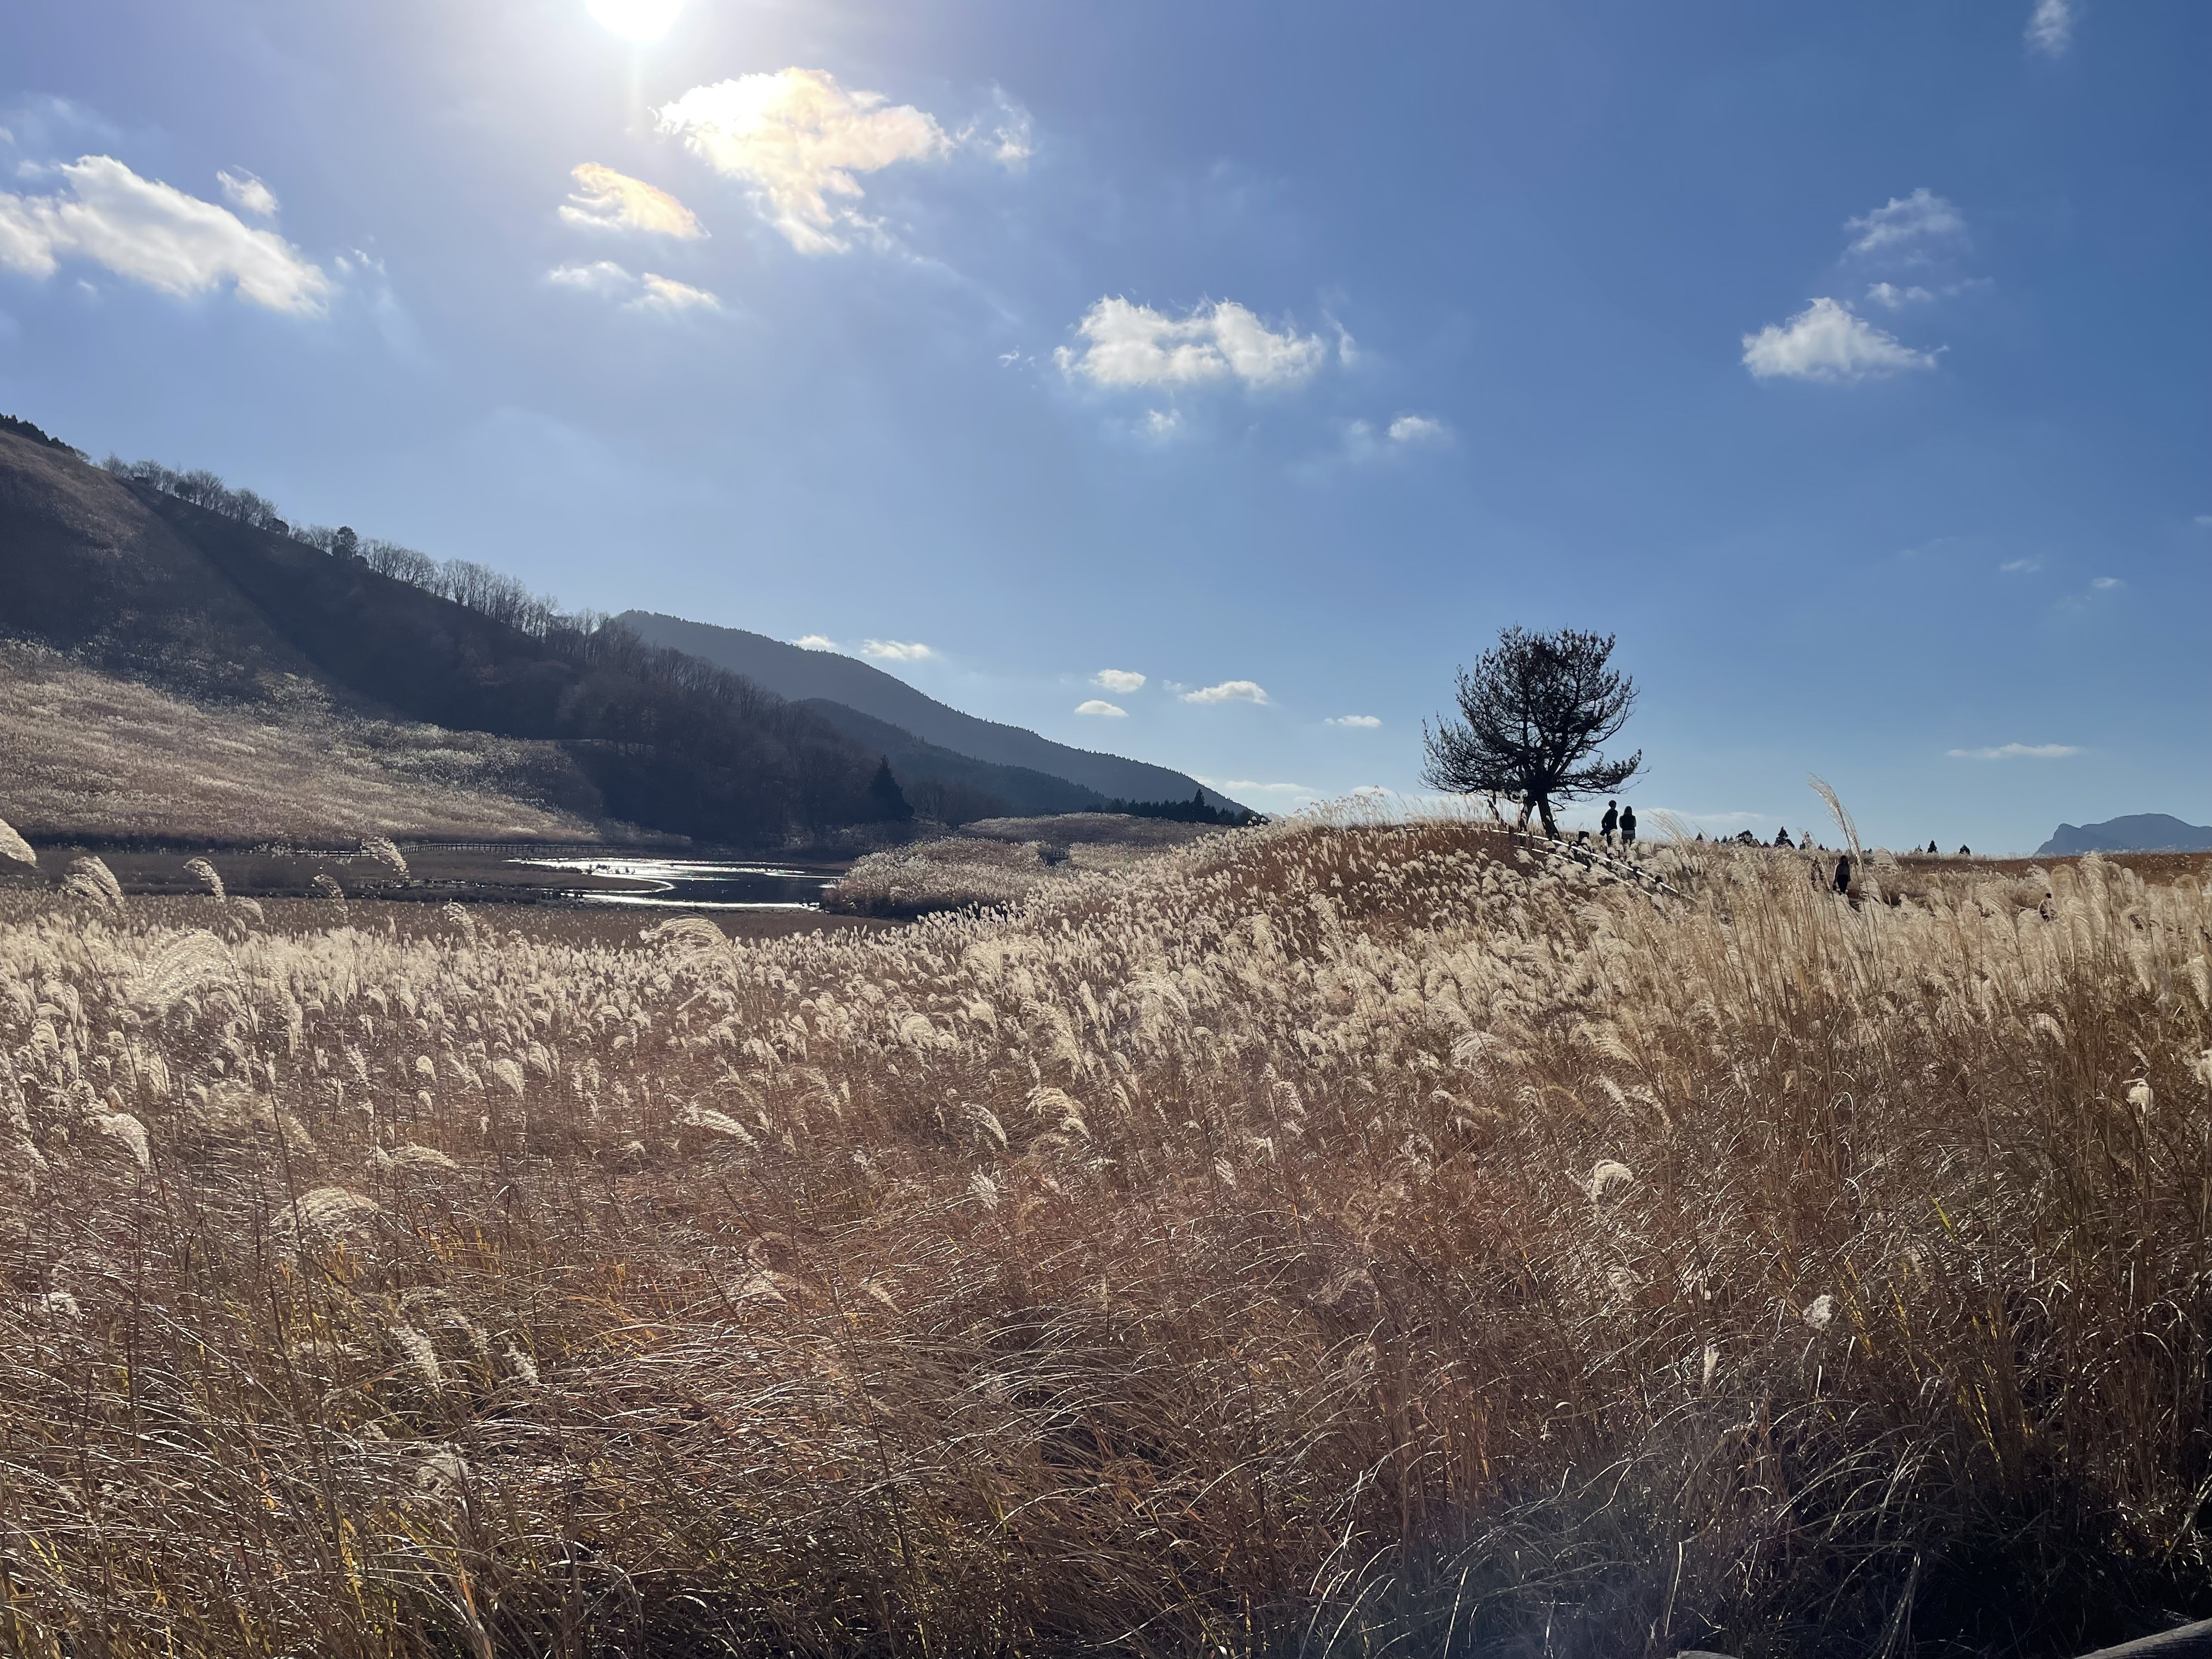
131 579
804 676
2141 832
956 787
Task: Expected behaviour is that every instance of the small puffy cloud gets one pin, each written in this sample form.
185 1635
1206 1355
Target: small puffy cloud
799 143
607 200
1828 342
1365 722
152 233
1891 297
1160 424
1417 431
815 642
1100 706
894 651
658 292
1908 227
1227 691
247 193
1126 345
2016 751
2050 27
1118 679
2019 566
2103 584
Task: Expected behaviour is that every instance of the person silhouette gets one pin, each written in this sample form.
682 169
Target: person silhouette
1628 828
1843 874
1609 822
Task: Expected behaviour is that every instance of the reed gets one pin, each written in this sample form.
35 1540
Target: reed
1326 1238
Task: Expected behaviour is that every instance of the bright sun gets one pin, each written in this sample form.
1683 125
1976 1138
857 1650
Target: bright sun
635 20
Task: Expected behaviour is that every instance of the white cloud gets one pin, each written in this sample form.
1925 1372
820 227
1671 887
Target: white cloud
1908 227
1827 340
2204 521
650 292
607 200
799 141
1101 707
1118 679
2019 566
2102 583
666 293
815 642
600 276
1893 298
1133 345
153 232
247 193
894 651
1248 787
1161 424
1366 722
2050 27
2016 751
1418 430
1011 142
1227 691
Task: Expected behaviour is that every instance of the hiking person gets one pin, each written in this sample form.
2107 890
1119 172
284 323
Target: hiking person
1609 822
1843 874
1628 828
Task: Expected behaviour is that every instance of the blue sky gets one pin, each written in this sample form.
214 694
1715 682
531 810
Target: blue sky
1852 364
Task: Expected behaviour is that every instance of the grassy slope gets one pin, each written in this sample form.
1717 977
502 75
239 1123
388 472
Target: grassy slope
1310 1240
92 754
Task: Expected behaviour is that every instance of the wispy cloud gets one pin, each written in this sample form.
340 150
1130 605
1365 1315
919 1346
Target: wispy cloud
2016 751
151 233
1099 706
1909 228
650 292
1418 430
666 293
607 200
1828 341
1121 680
1126 345
1366 722
2019 566
1250 786
896 651
1227 691
247 193
2051 28
2103 584
800 143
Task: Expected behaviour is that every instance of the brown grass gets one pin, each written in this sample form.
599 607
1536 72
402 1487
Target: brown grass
87 753
1319 1240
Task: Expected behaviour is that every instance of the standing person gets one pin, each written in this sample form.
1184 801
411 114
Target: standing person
1628 828
1843 874
1609 822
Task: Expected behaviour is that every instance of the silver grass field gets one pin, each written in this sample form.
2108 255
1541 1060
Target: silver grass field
1334 1237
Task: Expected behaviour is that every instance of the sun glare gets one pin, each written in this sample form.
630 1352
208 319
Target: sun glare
635 20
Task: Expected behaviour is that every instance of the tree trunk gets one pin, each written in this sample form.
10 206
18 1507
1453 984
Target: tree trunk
1544 808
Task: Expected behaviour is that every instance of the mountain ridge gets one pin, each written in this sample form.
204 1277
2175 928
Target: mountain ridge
828 676
2138 832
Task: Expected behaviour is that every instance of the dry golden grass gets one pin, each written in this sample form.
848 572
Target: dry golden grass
87 753
1318 1239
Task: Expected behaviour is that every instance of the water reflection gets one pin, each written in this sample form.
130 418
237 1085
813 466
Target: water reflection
683 884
